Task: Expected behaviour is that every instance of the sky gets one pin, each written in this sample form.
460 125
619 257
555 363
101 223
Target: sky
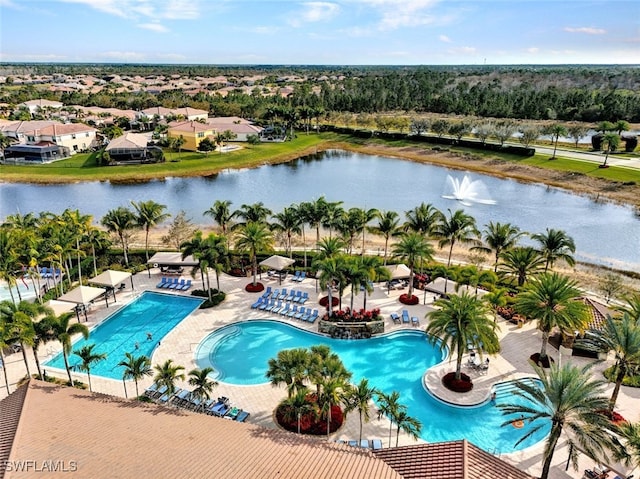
334 32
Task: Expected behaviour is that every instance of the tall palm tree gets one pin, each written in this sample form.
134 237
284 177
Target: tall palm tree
135 367
568 398
623 338
556 131
88 357
332 271
610 142
521 262
8 259
375 272
4 342
423 219
496 299
389 405
287 222
19 320
119 221
167 374
630 450
356 273
221 214
304 215
333 394
315 213
96 239
252 238
290 368
149 214
632 306
550 299
460 321
202 384
334 216
555 245
458 227
359 397
330 247
63 332
254 213
499 237
296 406
43 334
388 225
412 248
407 424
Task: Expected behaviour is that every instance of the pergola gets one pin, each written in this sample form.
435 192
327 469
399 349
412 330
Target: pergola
110 278
171 259
278 263
83 295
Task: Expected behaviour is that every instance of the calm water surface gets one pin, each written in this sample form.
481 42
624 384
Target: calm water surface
604 233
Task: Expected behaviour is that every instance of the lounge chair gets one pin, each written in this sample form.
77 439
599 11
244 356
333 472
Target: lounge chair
233 413
299 314
267 292
258 303
395 318
306 315
405 316
173 283
298 297
242 416
313 317
222 411
415 321
292 295
162 283
302 276
353 443
293 311
179 284
182 398
296 275
278 305
283 294
376 444
304 298
166 397
275 294
285 309
151 390
216 406
364 443
187 285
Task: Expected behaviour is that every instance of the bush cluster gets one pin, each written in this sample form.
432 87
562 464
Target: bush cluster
217 297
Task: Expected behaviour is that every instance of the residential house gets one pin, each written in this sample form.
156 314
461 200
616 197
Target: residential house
40 106
133 148
190 113
239 126
77 137
193 133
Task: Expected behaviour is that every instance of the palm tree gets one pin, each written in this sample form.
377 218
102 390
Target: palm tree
569 398
462 321
304 214
8 259
43 334
210 252
375 272
423 219
388 225
495 299
499 237
296 406
254 213
407 424
333 216
287 222
203 385
458 227
63 332
19 325
388 405
551 300
135 367
167 374
4 342
556 131
96 239
555 245
632 307
119 221
221 214
610 143
329 247
88 357
333 393
630 450
149 214
315 213
356 273
332 271
254 237
412 248
358 397
289 368
521 262
623 338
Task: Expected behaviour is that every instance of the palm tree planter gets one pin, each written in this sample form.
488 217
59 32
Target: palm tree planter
324 301
462 385
254 288
409 300
311 422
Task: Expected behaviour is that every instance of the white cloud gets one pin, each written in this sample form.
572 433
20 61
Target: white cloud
587 30
34 57
123 56
533 50
154 27
152 9
404 13
113 7
445 39
314 12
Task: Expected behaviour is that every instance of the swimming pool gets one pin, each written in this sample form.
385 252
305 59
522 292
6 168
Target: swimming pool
154 313
395 362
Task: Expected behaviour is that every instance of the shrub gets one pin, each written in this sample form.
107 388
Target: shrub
217 297
311 423
347 315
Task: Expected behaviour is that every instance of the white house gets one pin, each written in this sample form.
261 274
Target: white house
40 105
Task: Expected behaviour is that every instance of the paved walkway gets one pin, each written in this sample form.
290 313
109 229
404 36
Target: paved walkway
592 157
180 344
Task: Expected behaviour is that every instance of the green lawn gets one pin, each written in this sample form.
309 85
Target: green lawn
613 173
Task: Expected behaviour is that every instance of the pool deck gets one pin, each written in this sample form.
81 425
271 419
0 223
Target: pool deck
180 345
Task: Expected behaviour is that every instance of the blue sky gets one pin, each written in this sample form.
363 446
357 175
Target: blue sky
352 32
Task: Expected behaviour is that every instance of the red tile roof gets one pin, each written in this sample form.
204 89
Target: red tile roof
448 460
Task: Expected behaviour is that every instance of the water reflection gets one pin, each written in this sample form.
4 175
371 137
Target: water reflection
604 233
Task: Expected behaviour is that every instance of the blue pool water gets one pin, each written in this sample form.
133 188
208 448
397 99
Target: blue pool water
395 362
154 313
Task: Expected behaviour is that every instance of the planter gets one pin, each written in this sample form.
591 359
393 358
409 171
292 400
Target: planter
545 363
409 300
254 288
462 385
324 301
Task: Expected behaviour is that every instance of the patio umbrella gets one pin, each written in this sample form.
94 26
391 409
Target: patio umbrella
83 295
110 278
399 271
278 263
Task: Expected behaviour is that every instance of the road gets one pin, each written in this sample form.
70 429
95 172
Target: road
593 157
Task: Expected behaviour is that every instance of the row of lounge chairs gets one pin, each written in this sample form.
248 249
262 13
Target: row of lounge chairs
286 309
364 443
299 276
292 296
405 319
49 272
174 283
183 398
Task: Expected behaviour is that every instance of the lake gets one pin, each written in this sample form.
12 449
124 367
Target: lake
604 233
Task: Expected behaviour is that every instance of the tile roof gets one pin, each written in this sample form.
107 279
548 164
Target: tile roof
10 408
188 111
598 312
127 141
448 460
189 126
157 110
42 103
112 437
65 129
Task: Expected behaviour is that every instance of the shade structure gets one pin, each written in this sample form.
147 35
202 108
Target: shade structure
171 258
59 307
399 271
82 295
439 285
277 262
110 277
